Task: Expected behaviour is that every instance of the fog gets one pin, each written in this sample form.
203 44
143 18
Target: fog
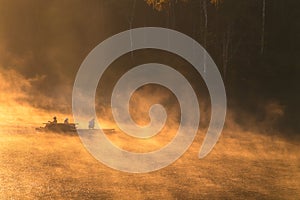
42 45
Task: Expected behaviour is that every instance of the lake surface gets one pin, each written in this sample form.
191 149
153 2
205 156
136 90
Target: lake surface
57 166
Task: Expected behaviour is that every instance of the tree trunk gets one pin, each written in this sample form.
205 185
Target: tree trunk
263 27
226 42
130 21
205 31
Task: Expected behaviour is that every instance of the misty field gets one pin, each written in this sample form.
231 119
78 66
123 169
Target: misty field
56 166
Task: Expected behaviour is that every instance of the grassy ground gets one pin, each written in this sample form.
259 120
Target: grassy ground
242 165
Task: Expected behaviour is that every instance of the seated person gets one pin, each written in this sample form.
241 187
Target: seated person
54 120
66 121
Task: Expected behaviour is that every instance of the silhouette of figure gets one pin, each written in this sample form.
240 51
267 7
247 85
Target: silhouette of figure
66 121
92 124
54 120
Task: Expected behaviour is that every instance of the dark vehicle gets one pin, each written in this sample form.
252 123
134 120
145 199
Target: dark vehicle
58 127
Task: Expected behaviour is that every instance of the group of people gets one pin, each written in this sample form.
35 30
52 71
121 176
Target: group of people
66 121
55 121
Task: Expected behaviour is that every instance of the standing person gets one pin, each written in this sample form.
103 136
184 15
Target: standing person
92 124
